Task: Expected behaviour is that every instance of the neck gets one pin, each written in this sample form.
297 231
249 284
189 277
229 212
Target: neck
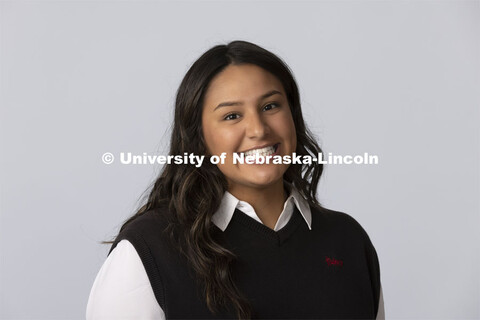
267 202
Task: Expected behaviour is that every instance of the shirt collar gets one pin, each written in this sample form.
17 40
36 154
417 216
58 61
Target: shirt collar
222 217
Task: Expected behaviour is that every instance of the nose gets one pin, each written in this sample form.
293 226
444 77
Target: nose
256 127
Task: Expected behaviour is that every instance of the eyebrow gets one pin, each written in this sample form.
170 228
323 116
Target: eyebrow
238 103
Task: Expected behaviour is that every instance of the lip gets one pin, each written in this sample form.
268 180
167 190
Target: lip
263 146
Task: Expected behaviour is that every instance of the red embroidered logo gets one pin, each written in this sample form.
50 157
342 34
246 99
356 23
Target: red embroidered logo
333 262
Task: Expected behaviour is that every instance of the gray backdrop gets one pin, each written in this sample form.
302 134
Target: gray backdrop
397 79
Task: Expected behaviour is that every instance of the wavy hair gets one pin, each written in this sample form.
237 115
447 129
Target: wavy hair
192 195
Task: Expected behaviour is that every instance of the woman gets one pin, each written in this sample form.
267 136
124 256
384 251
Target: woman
233 240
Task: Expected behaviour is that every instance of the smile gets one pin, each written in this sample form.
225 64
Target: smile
263 152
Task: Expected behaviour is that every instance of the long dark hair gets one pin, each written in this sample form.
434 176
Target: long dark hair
182 188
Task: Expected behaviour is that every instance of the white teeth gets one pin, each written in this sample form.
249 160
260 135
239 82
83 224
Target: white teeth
261 152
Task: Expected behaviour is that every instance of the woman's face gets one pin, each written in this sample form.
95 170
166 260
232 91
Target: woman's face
246 110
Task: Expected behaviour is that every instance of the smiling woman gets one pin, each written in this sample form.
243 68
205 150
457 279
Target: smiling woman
238 240
259 121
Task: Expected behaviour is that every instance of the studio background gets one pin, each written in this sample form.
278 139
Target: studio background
398 79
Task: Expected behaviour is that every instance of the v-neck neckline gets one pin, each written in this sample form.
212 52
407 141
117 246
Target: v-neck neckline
278 236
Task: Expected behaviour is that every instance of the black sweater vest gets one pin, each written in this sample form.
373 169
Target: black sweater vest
329 272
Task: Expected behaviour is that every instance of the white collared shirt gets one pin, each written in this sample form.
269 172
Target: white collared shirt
224 213
122 290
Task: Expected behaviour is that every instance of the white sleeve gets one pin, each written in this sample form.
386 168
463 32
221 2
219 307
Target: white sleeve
122 290
381 307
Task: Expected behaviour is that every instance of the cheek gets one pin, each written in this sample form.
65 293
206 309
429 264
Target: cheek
293 132
286 127
294 136
228 138
220 139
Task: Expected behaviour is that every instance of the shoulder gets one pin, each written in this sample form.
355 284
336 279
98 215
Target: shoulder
154 218
339 223
146 233
147 227
122 289
346 233
124 261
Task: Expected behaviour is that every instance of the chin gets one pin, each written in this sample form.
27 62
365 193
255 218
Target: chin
261 177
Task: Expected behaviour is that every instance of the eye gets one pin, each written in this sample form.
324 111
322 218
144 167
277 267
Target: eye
231 116
270 106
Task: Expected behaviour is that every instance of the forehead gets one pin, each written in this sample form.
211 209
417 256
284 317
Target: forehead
241 82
